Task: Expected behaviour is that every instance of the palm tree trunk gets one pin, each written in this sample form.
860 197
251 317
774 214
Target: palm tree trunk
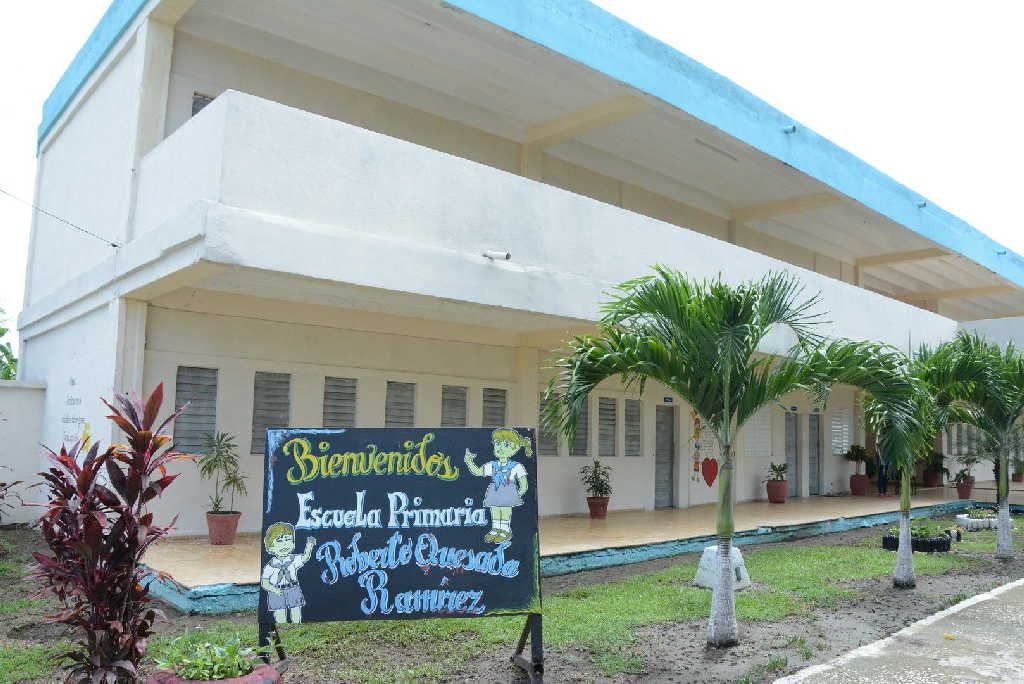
722 630
1004 525
903 574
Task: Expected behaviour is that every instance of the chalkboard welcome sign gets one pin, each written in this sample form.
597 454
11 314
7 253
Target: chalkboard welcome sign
387 523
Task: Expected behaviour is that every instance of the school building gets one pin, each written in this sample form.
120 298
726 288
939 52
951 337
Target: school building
389 212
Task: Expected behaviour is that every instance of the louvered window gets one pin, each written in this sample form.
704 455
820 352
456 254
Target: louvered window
494 407
399 404
271 406
547 440
453 405
339 402
198 386
581 445
607 426
841 431
199 101
634 427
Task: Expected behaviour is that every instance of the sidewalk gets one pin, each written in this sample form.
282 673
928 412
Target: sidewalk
979 640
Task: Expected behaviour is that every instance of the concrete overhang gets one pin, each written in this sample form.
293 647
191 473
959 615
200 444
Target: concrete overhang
587 88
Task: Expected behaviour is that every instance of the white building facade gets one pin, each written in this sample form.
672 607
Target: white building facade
297 204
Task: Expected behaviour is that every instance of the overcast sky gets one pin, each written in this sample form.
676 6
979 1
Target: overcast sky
928 92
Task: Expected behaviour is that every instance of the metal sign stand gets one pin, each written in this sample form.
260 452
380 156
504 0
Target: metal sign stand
268 630
534 665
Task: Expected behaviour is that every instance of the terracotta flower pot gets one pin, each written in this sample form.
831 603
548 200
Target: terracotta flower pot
933 478
263 674
859 485
222 527
964 489
598 506
1017 477
777 491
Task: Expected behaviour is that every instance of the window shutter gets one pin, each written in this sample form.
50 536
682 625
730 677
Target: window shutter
634 427
494 407
271 406
547 441
339 402
581 445
198 386
840 431
453 406
607 426
399 404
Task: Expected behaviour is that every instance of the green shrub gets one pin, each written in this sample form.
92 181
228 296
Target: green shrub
205 660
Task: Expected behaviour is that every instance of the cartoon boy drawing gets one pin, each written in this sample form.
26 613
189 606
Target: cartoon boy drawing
508 480
280 576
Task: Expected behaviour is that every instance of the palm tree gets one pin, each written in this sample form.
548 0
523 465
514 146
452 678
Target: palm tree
995 404
936 380
703 340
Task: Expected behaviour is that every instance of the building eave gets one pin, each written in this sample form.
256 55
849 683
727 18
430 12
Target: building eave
585 33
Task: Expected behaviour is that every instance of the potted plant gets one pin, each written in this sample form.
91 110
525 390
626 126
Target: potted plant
964 482
857 454
776 483
220 464
934 469
183 660
596 479
974 519
924 537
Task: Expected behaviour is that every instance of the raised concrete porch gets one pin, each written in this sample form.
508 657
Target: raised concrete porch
220 579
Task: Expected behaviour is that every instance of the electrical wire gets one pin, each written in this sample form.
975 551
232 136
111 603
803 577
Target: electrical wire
62 220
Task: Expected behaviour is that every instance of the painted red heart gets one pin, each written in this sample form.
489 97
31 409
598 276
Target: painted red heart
709 469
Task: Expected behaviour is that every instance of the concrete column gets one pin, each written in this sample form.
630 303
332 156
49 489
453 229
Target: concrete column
234 402
307 399
525 399
428 403
370 402
154 43
129 316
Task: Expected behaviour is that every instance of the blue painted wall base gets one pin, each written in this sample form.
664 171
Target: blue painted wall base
216 599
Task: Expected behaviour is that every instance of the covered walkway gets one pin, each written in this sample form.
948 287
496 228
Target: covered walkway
193 562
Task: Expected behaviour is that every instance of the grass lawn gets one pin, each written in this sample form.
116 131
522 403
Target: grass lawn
599 621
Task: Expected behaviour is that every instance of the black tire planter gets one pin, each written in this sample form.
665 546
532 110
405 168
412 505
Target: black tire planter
940 544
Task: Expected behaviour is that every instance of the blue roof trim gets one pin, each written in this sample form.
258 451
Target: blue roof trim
588 34
111 26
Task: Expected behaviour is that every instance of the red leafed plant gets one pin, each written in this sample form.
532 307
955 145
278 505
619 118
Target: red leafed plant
98 529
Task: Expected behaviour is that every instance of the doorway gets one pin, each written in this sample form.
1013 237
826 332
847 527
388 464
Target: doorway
793 453
814 454
664 456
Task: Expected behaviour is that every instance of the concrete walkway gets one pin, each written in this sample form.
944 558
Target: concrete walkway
194 562
979 640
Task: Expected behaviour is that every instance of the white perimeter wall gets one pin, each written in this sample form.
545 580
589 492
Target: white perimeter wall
75 362
375 350
21 414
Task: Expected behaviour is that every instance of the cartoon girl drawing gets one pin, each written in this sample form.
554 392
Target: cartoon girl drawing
280 576
508 480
